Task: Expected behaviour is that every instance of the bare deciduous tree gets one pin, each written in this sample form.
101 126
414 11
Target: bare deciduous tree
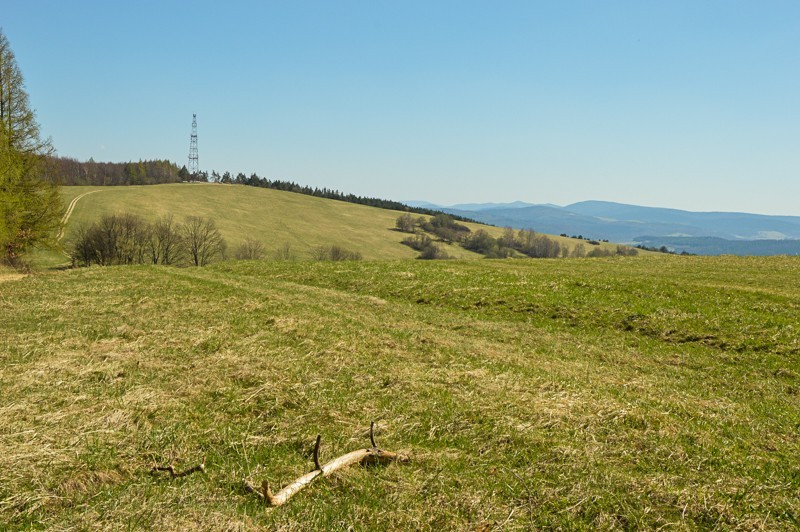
284 252
250 249
166 241
114 239
204 242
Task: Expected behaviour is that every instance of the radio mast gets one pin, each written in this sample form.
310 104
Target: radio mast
194 168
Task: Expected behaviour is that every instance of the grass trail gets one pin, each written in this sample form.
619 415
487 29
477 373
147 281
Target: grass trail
68 212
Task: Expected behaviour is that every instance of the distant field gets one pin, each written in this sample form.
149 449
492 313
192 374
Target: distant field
638 393
271 216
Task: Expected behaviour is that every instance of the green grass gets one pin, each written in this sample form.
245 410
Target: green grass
271 216
578 394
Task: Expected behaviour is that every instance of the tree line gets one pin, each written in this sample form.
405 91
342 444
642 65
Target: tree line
124 239
289 186
69 171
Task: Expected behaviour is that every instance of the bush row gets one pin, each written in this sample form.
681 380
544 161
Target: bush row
523 242
129 239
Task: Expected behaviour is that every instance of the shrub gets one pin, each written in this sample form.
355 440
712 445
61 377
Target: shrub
446 228
334 252
424 244
250 249
599 252
433 252
339 253
418 242
320 253
537 246
480 242
626 251
405 223
284 252
114 239
128 239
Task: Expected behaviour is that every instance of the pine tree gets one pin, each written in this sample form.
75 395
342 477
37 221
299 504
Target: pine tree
30 207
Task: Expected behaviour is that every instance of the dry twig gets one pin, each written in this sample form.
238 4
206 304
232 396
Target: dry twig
200 467
362 456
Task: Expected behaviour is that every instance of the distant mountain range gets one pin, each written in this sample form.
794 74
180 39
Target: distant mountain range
707 233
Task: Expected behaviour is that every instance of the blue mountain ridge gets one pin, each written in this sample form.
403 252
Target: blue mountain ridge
624 223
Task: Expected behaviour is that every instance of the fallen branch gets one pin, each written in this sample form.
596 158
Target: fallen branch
373 455
186 472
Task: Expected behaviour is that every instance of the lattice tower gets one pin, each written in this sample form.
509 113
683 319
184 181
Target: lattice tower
194 167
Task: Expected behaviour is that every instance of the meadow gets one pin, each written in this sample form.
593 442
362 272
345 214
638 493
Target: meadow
273 217
619 393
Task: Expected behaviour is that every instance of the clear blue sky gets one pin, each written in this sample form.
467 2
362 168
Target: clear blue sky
687 104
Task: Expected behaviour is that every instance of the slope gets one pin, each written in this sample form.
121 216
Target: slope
271 216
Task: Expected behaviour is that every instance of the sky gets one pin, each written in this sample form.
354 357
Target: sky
685 104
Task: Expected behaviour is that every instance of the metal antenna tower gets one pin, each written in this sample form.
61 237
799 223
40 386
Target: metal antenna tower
194 168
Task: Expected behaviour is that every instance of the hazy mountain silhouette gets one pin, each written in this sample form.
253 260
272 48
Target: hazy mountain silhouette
619 222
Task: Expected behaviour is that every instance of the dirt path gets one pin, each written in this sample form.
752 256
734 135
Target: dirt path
69 212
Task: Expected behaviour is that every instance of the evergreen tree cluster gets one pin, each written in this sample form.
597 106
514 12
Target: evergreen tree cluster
68 171
289 186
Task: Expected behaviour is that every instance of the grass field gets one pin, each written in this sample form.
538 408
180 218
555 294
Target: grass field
579 394
271 216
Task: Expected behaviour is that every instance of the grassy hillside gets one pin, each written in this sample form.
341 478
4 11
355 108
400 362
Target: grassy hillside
272 216
578 394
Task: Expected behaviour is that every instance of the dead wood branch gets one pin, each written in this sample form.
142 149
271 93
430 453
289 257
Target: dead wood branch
316 452
200 467
373 455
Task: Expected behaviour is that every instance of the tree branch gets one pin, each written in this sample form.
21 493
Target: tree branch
373 455
316 453
184 473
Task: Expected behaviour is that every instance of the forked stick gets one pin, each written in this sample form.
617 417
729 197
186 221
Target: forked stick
372 455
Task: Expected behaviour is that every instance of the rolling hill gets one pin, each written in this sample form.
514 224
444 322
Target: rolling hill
271 216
